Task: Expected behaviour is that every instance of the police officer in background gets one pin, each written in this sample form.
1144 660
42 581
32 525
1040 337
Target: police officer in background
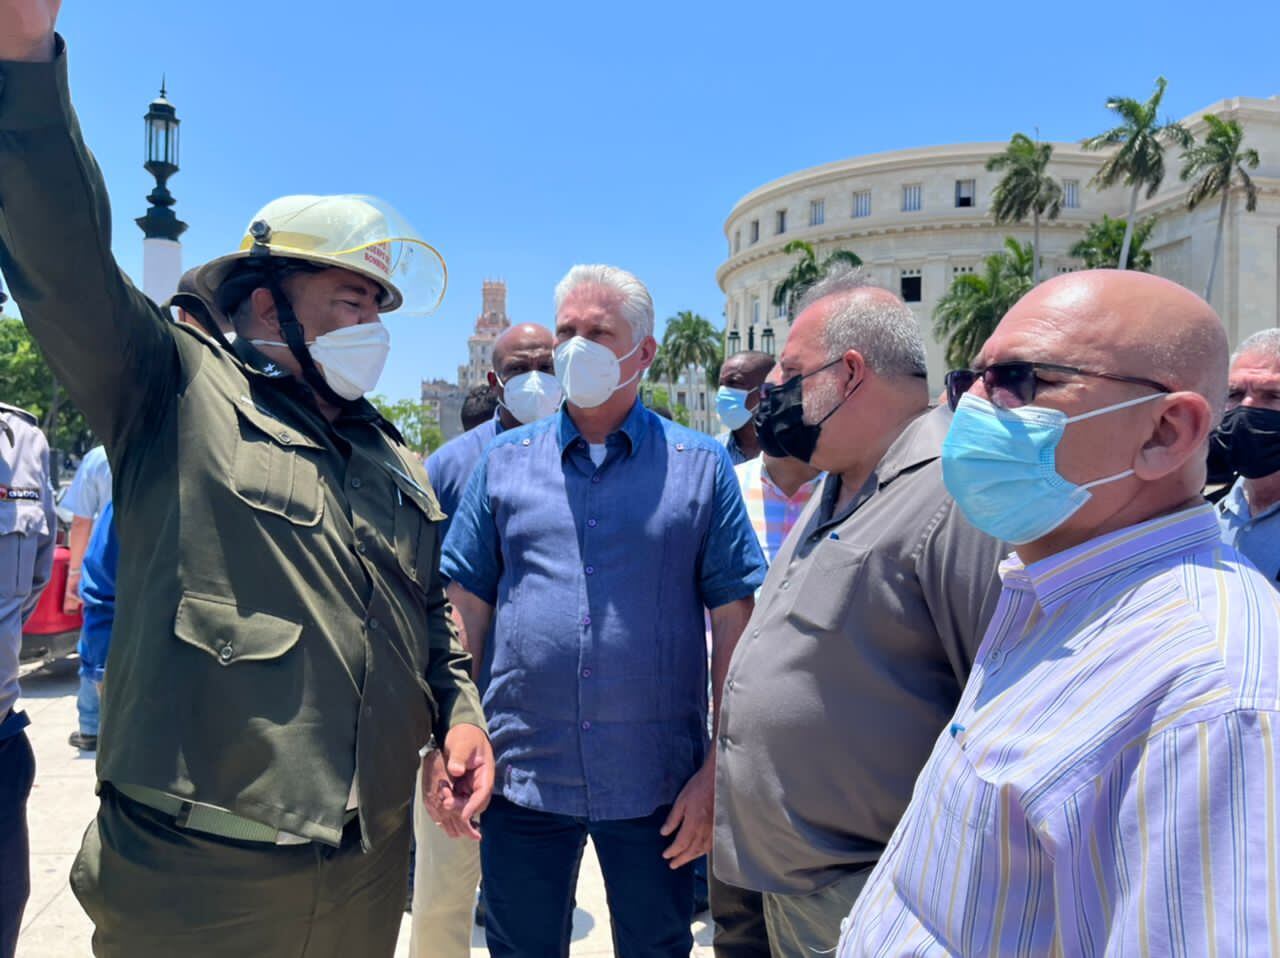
282 646
27 528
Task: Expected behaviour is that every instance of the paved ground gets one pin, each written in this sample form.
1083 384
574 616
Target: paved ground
62 805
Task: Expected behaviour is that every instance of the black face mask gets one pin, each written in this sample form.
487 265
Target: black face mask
1247 443
779 418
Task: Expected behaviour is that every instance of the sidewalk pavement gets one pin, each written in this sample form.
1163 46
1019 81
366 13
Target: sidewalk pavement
62 805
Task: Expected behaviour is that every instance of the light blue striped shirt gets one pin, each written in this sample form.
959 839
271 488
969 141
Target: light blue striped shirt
1108 783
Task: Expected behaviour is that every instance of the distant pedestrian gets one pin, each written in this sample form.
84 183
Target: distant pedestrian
737 399
479 406
27 528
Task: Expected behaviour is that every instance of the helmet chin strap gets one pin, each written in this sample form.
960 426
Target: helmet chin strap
288 320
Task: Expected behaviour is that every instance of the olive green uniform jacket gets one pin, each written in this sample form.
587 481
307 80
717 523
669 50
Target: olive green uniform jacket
281 625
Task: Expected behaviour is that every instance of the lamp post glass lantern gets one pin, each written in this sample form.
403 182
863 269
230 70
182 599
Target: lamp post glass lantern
733 342
766 340
162 122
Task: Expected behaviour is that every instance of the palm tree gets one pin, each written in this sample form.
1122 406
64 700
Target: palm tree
1103 240
970 310
806 271
1139 159
688 342
1217 162
1026 187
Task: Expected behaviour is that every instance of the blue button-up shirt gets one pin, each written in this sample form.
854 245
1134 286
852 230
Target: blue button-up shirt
599 577
98 590
449 468
1257 538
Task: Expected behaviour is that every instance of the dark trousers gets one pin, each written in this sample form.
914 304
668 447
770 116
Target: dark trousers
17 771
530 859
739 921
154 890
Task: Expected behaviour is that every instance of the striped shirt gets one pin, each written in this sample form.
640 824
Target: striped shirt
771 511
1109 781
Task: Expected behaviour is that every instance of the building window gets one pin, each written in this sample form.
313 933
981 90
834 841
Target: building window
780 223
911 289
680 399
862 203
1071 194
780 310
911 198
755 231
817 212
961 270
755 311
965 193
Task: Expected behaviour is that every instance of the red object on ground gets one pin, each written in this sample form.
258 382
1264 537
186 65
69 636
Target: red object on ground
48 618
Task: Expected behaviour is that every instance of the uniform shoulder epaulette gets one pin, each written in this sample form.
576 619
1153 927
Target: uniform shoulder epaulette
20 413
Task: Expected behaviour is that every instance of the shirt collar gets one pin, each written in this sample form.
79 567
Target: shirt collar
803 493
634 427
1237 503
919 443
1056 579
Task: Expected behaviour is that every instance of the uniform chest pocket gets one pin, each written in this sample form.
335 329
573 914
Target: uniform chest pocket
22 526
417 528
274 467
826 583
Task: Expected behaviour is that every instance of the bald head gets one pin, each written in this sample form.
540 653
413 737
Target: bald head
746 370
527 345
1125 322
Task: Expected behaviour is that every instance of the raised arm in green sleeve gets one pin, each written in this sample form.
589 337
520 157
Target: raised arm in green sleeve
108 344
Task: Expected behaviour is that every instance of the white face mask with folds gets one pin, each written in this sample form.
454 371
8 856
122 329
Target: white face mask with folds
530 396
589 372
351 359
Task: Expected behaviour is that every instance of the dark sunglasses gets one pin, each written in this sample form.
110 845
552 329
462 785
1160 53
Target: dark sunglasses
1019 379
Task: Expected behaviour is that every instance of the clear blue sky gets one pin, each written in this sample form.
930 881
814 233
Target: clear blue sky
521 138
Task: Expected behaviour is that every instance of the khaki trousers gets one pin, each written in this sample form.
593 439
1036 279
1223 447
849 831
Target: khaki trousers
805 926
445 875
154 890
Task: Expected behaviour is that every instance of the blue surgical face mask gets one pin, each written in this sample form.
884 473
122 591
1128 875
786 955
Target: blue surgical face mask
731 407
998 464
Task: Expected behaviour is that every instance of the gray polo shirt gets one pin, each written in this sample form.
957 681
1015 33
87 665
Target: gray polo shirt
853 662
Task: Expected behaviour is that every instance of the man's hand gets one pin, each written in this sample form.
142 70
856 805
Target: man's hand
437 794
71 603
692 813
467 758
26 29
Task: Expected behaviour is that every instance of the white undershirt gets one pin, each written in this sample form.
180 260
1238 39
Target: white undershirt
597 452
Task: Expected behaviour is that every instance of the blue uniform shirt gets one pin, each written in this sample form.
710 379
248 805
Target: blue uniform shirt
599 577
450 466
1255 537
98 591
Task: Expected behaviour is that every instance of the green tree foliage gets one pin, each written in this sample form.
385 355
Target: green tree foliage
420 430
1026 188
1103 240
1138 158
806 271
657 396
969 311
27 381
1216 164
689 341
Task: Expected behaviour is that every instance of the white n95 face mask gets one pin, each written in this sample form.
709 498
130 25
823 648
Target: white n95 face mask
589 372
351 359
531 396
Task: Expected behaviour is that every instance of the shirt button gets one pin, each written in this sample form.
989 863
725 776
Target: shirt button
356 482
586 620
786 584
592 523
524 442
994 660
754 633
724 741
595 478
679 447
283 436
586 726
226 652
368 710
729 685
586 673
591 570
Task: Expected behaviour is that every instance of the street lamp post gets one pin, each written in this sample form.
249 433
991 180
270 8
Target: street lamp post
733 343
766 340
161 249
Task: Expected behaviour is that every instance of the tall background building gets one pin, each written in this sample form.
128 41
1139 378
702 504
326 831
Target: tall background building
920 217
489 326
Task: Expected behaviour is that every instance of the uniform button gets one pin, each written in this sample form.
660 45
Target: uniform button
360 548
592 523
226 652
586 673
586 726
283 437
591 570
373 625
356 483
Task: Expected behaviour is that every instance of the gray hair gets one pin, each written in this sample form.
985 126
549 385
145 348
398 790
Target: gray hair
1266 342
886 334
636 304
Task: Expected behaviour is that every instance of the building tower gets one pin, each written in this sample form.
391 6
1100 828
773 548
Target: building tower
489 326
